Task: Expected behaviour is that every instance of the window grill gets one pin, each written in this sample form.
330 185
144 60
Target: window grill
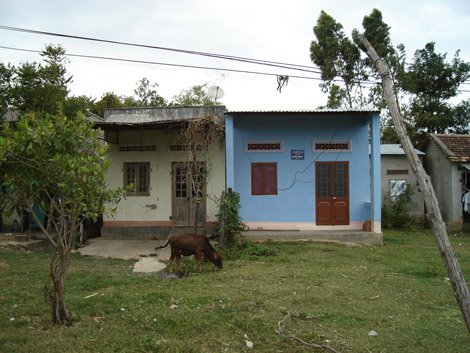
264 146
397 171
182 147
140 148
332 146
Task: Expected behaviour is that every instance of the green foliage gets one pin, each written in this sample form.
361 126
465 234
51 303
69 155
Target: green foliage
245 248
396 212
147 95
75 104
337 56
194 96
34 87
424 86
432 82
59 163
233 225
107 100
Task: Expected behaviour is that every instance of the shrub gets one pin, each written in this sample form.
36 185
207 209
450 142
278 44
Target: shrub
231 225
396 212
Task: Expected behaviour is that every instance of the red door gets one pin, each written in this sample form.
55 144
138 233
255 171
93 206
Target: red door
332 193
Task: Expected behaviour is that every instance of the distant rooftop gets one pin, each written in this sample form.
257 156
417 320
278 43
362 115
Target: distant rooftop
395 149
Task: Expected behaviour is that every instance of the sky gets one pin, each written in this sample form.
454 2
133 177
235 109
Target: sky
268 30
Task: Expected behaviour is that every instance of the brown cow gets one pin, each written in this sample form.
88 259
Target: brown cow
192 244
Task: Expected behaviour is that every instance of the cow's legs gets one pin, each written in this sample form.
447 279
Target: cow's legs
179 263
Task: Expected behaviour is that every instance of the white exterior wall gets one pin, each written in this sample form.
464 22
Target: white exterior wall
157 206
445 178
400 162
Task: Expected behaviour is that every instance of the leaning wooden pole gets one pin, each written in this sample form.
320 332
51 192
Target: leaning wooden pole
424 181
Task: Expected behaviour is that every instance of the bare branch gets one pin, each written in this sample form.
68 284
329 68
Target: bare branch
280 332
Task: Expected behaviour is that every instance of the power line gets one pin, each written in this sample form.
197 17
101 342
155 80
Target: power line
162 63
184 51
193 66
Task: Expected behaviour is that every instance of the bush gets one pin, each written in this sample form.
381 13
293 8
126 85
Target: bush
395 213
231 225
245 248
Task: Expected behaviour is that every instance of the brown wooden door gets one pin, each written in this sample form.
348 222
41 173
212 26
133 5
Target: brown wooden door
188 197
332 193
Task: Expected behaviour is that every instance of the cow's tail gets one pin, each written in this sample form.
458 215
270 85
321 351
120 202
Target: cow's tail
164 246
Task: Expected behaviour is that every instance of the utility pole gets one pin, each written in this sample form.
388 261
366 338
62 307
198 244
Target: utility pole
424 181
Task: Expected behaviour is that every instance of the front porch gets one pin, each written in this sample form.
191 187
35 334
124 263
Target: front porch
337 236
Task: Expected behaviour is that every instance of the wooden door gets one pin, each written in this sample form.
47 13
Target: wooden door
188 197
332 193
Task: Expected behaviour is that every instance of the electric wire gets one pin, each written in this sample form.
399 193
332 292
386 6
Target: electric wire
184 51
276 64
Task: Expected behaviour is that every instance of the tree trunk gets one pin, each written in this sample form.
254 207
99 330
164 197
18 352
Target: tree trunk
433 212
61 315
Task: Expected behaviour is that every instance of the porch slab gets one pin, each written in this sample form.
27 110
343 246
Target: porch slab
358 237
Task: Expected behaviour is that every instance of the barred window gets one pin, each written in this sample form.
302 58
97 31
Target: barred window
182 147
137 174
143 148
331 146
264 146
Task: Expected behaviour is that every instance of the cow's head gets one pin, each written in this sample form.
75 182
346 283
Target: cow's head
217 259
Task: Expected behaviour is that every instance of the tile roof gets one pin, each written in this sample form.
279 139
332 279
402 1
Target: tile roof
455 147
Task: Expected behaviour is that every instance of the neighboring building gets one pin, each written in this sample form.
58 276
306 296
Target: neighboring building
397 174
306 171
448 164
147 149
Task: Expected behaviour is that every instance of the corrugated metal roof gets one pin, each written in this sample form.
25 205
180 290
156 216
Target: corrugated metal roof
395 149
314 111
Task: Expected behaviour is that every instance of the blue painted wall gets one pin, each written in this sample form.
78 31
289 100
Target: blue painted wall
295 201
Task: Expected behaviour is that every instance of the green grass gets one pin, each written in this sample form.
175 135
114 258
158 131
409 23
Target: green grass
337 294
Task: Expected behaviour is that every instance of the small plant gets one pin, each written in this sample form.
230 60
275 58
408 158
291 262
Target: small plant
247 248
396 211
231 225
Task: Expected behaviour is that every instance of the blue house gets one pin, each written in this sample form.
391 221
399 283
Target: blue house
306 173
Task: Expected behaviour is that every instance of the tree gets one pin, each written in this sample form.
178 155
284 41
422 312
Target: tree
432 82
339 59
433 214
41 88
7 76
107 100
59 164
75 104
147 94
194 96
423 87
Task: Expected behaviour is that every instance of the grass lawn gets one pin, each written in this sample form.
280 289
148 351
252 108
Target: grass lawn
336 294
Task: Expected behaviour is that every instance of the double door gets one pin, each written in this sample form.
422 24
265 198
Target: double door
188 193
332 193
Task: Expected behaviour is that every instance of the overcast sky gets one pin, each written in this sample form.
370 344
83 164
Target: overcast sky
269 30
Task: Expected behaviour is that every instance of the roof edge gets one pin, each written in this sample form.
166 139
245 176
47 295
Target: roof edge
441 145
